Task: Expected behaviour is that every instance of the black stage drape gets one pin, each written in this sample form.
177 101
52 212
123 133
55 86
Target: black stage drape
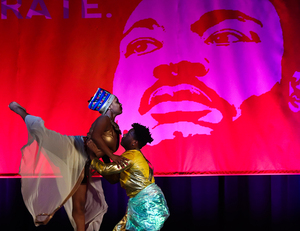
196 203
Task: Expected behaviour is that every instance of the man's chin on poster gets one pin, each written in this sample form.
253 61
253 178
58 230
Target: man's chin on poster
182 107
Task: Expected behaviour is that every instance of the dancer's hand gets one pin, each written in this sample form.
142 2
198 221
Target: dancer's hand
120 161
92 146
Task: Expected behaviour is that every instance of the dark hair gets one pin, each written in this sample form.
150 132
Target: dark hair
142 134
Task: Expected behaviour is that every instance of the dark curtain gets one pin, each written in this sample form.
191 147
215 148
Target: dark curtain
196 203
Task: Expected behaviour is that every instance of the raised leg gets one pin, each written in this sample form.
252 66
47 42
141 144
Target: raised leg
17 108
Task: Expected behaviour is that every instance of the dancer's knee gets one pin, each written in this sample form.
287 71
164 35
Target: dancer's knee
79 199
79 206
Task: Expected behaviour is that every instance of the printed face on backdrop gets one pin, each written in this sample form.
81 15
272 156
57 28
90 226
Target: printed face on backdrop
187 66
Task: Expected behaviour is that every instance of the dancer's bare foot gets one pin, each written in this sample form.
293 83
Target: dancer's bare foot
17 108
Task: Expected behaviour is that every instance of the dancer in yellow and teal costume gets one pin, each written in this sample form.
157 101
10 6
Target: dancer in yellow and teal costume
147 208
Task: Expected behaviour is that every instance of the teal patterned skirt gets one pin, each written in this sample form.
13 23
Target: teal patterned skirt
148 210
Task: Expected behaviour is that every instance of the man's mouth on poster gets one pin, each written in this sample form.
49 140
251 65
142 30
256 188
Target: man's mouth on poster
191 101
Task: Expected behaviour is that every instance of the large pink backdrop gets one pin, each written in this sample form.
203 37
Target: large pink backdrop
216 81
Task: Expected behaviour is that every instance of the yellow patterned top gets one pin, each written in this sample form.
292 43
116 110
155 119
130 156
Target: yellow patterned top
134 177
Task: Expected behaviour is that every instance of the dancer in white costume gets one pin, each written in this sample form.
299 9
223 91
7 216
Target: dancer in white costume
55 166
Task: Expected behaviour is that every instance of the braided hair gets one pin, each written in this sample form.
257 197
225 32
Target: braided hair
142 134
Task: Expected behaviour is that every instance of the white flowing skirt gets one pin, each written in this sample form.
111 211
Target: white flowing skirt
52 168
